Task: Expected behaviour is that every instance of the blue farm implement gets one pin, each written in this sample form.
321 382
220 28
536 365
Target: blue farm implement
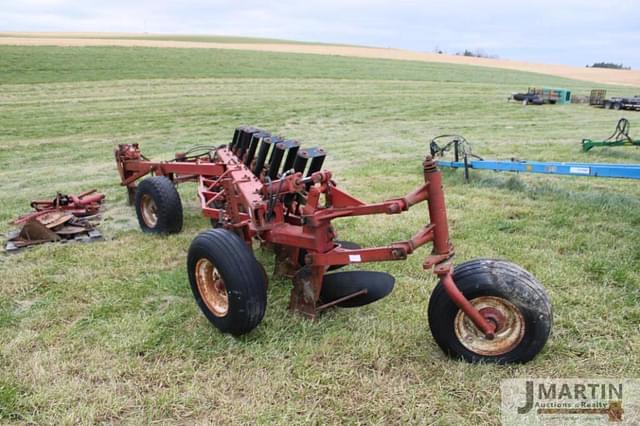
465 159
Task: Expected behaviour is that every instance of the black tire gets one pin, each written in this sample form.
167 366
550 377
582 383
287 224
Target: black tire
607 105
617 106
158 206
507 286
243 281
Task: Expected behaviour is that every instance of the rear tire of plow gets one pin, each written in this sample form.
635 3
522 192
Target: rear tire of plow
227 281
499 288
158 206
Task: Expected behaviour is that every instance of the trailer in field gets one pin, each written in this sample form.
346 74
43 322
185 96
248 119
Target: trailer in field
544 95
617 103
598 98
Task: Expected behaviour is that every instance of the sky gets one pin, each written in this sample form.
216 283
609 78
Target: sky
571 32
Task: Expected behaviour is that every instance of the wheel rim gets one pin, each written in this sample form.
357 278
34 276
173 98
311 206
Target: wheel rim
149 211
211 288
509 322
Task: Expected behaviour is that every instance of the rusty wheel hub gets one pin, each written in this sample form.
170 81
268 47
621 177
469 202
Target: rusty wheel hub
504 315
212 288
149 211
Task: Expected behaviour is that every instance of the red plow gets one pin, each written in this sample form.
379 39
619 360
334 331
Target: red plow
265 188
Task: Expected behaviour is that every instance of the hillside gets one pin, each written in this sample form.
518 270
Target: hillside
596 75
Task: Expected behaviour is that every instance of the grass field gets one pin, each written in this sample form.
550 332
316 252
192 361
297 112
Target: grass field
109 332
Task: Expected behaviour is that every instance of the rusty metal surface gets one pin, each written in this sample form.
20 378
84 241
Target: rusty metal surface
36 232
65 218
85 204
506 318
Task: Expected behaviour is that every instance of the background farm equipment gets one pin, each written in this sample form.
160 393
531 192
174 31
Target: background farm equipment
61 219
599 98
545 95
619 137
464 159
618 103
265 188
527 98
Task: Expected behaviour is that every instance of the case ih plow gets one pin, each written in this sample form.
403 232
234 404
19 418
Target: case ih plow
266 188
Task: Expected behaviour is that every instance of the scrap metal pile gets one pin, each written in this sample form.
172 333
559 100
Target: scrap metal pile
64 218
267 189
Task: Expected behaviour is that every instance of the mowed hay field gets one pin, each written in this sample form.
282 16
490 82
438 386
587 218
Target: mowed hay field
109 331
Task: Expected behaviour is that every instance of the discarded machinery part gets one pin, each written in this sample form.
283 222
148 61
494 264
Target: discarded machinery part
284 199
51 219
505 295
85 204
71 230
62 219
15 244
35 232
619 137
365 286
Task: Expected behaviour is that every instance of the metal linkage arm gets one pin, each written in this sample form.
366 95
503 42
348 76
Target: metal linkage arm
395 251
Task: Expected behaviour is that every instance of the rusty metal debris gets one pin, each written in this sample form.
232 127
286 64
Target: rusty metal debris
66 218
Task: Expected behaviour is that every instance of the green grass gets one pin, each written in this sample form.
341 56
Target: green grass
109 332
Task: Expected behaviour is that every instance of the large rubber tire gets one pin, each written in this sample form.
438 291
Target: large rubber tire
617 106
487 282
158 206
243 281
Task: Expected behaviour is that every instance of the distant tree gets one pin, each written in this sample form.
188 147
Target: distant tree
478 53
609 65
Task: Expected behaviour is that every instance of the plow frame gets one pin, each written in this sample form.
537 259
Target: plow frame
288 215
